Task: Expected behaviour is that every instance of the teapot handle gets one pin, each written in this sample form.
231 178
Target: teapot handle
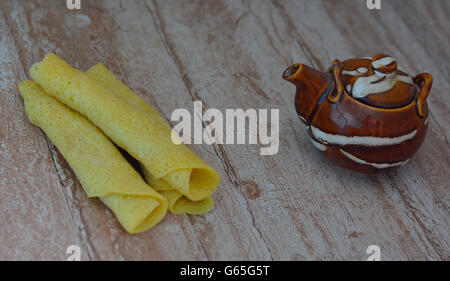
337 74
425 82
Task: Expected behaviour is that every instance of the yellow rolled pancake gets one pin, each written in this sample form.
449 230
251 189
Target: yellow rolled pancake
98 164
178 203
145 138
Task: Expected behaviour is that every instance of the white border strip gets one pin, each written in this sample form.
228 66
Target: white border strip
358 140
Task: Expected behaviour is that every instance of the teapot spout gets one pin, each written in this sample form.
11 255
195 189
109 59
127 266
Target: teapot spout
290 73
310 85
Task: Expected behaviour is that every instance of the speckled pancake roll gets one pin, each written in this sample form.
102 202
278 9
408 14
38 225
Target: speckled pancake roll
142 135
98 164
178 203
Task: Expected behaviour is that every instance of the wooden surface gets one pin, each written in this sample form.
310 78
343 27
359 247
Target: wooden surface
295 205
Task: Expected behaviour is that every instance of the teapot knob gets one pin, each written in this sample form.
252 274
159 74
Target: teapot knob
384 64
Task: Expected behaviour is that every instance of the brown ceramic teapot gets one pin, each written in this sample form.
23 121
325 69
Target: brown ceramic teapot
364 113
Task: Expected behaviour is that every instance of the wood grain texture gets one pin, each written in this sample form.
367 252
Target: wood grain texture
228 54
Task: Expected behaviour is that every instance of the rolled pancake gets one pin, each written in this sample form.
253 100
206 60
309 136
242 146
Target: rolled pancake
178 203
144 137
98 164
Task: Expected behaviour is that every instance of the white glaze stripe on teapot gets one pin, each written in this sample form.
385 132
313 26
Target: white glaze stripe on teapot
375 165
318 145
367 85
358 71
360 140
382 62
378 82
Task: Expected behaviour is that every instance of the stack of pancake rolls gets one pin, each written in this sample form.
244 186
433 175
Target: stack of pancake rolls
86 115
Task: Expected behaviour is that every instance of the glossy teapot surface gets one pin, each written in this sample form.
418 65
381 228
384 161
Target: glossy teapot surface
365 114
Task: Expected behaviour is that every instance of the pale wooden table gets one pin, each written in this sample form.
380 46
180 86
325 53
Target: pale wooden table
292 206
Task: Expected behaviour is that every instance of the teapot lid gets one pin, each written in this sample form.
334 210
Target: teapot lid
378 82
